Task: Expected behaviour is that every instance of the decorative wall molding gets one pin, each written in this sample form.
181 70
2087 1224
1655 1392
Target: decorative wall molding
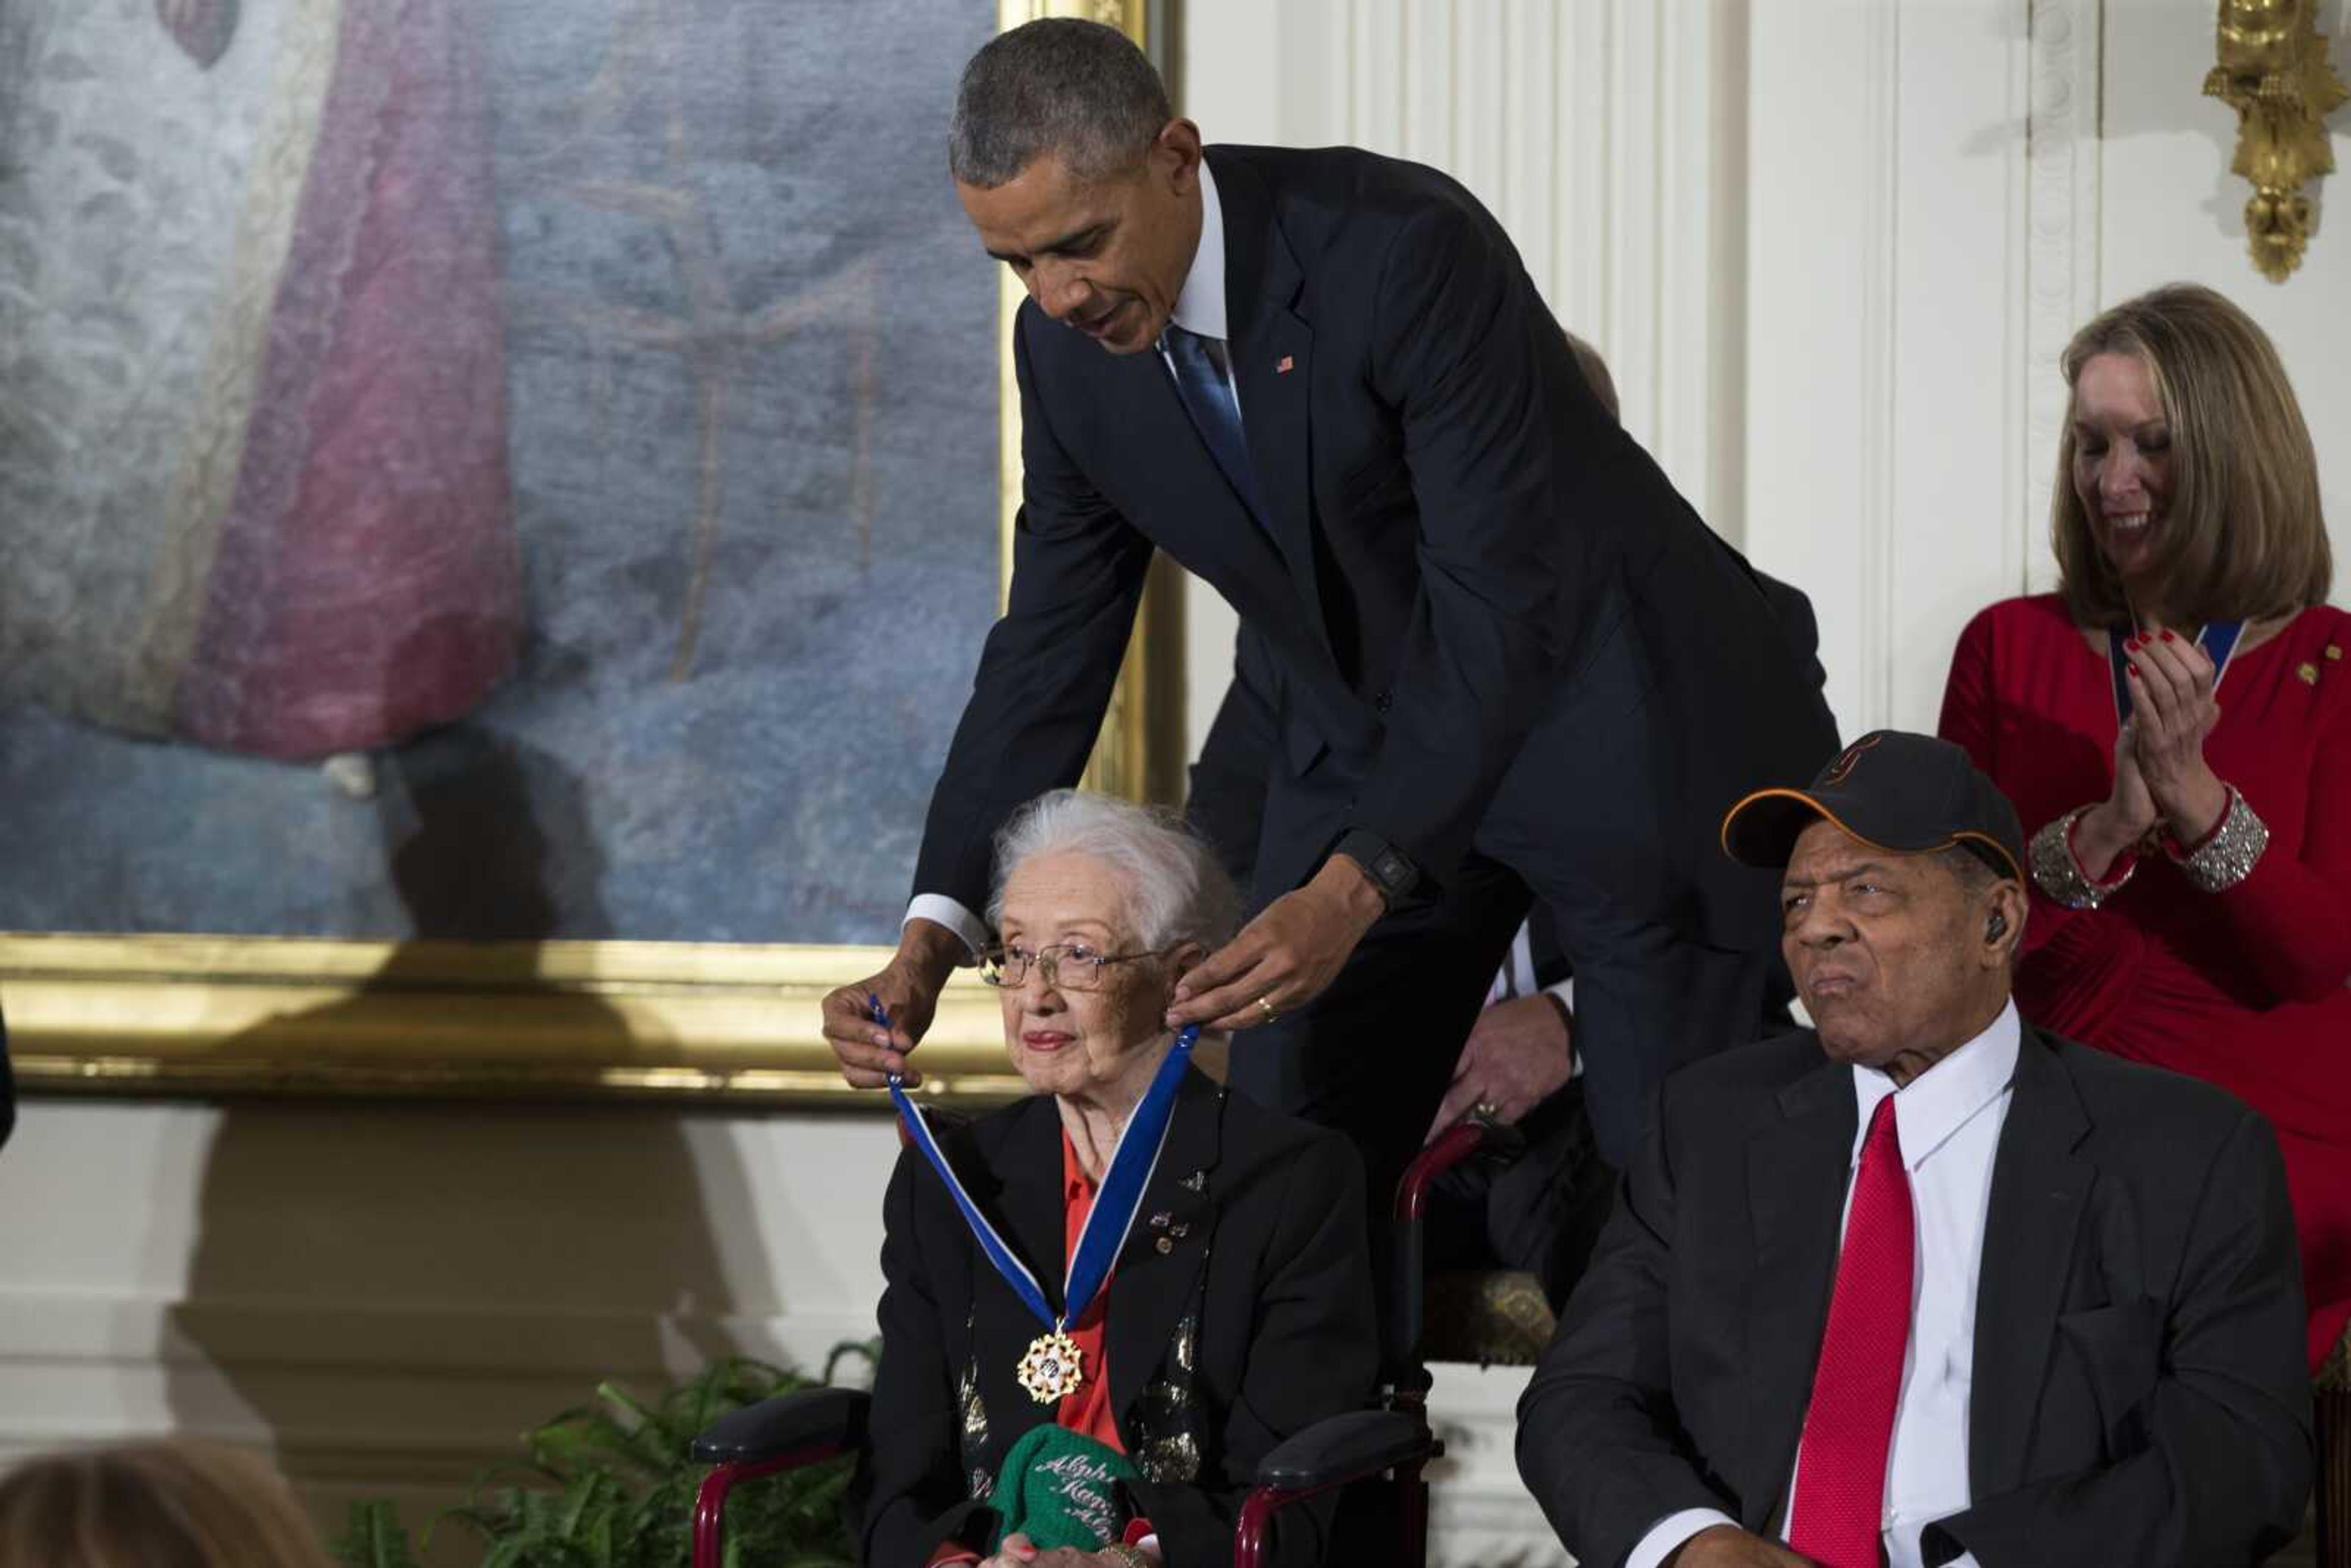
1588 129
1595 131
2061 247
1882 384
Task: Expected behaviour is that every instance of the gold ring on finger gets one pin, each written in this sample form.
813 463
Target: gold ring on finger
1265 1007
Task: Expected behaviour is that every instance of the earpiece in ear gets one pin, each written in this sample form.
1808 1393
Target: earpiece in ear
1996 927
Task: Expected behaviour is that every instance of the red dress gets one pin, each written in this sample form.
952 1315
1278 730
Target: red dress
2245 988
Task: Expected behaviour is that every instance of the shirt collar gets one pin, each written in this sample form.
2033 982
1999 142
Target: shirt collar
1075 1183
1948 1095
1200 306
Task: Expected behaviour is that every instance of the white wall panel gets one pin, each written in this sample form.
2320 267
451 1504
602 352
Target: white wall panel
1594 129
1939 193
2170 210
1822 202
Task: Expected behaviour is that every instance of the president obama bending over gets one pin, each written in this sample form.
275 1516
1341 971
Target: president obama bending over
1928 1281
1505 659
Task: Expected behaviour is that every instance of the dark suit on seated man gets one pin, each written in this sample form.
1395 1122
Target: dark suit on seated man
1927 1282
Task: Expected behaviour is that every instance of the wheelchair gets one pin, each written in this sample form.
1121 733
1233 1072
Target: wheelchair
1392 1441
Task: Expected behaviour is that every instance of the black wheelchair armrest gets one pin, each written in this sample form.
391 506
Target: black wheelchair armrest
1342 1449
822 1419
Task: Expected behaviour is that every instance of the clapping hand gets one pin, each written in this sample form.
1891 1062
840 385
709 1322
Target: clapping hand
2160 775
2172 711
2124 817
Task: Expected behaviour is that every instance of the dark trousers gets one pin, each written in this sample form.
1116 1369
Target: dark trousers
1580 820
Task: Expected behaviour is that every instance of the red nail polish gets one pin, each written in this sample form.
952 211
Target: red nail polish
2134 670
2169 638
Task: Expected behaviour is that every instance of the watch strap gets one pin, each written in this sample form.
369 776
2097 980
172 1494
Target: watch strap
1390 869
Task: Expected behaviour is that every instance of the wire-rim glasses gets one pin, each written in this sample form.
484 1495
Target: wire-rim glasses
1066 965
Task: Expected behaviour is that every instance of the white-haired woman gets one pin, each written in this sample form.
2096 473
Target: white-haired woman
1106 1302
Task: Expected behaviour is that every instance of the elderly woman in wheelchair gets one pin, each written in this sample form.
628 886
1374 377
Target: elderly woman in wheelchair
1108 1302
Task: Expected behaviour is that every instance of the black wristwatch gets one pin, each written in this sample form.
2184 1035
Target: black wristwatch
1390 869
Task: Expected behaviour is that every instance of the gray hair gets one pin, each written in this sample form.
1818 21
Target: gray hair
1058 85
1176 890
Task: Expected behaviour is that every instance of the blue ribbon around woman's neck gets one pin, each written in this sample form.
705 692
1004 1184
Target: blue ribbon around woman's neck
1116 1201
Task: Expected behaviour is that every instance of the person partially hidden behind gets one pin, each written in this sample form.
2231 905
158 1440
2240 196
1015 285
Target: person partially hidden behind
177 1503
1065 1426
1927 1282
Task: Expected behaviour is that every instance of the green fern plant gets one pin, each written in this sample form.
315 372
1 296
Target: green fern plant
611 1485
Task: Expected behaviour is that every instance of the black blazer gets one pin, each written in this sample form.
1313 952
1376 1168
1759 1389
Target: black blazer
2139 1394
1269 1281
1456 523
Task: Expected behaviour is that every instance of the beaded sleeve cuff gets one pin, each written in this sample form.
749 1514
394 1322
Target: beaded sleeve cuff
2230 851
2060 876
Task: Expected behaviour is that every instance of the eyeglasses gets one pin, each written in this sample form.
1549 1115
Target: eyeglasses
1066 965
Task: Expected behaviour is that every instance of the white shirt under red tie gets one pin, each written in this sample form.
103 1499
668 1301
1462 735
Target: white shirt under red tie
1939 1139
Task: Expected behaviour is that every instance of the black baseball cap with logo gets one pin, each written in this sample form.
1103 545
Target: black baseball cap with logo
1911 794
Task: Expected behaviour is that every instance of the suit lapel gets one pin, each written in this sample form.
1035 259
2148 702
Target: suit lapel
1153 1288
2037 1193
1273 365
1798 1157
1139 395
1026 1205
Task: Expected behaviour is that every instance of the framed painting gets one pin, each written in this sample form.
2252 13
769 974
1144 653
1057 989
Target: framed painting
499 503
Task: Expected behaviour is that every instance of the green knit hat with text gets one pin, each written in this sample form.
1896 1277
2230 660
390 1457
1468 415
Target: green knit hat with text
1061 1487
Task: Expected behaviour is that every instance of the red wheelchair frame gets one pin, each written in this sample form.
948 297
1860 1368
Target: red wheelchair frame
1393 1440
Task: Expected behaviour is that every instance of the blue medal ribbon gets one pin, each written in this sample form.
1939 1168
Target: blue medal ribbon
2218 641
1116 1202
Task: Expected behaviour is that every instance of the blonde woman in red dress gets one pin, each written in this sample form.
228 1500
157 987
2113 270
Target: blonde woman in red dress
2174 726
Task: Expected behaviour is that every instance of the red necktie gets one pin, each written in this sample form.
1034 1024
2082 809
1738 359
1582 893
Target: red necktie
1849 1425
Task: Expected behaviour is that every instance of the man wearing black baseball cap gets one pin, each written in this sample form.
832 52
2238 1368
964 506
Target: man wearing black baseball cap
1922 1281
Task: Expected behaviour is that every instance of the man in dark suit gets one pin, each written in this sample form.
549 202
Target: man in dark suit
1538 1200
1928 1281
1510 661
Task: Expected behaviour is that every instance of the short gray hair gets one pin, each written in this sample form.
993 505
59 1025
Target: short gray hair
1176 890
1058 85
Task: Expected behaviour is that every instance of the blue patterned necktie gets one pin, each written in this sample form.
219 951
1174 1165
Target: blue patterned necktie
1215 413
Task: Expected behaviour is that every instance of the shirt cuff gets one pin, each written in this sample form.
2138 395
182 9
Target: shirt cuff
1671 1531
1565 992
938 908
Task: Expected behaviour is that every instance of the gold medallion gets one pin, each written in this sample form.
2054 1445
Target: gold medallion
1053 1369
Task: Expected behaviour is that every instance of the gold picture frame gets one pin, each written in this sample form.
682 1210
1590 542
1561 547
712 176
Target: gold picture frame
171 1014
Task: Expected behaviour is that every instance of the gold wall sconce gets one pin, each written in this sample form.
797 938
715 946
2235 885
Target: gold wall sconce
2274 72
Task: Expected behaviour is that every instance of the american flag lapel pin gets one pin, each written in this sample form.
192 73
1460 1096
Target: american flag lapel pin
1285 365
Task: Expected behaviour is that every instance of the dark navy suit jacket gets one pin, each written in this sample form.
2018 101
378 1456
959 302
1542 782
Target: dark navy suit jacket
1458 529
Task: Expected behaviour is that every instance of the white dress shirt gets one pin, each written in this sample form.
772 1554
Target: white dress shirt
1949 1119
1199 308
